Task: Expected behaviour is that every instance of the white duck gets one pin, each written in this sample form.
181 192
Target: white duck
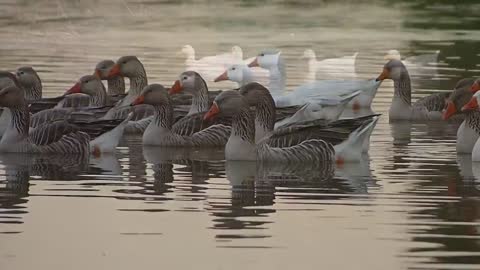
424 109
330 68
425 64
284 145
473 104
273 61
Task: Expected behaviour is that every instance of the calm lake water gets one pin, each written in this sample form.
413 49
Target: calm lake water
412 204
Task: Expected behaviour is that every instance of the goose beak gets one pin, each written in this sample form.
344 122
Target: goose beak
139 100
254 63
475 87
115 71
223 77
449 111
176 88
384 75
75 89
214 110
471 105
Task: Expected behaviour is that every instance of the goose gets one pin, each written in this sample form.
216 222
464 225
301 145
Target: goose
342 67
30 81
54 137
424 109
475 86
469 131
159 131
472 104
274 63
424 64
116 84
280 146
260 98
325 107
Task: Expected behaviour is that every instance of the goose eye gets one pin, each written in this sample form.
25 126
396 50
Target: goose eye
233 68
184 78
262 54
124 62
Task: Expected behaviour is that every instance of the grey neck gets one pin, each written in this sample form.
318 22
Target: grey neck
138 82
243 124
200 100
100 97
33 91
403 87
265 111
472 119
163 116
116 86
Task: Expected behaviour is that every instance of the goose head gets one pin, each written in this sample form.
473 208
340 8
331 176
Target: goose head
475 86
126 66
188 81
8 79
393 69
234 73
228 101
237 52
188 51
458 98
473 103
27 77
252 92
153 94
267 59
103 68
12 96
392 55
88 84
309 54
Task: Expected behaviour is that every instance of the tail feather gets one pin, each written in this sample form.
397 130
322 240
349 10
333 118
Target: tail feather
358 142
108 141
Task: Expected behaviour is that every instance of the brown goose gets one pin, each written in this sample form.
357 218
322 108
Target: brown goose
116 84
350 136
241 143
160 130
469 131
51 137
427 108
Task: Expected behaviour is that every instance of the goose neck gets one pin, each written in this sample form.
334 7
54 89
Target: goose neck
138 82
116 86
20 120
403 88
163 116
243 125
200 99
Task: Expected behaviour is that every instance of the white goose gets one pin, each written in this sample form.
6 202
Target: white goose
321 106
424 64
282 146
424 109
159 132
210 66
331 68
56 137
274 63
473 104
469 131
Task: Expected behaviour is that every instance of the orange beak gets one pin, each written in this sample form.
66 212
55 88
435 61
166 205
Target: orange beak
98 74
115 71
254 63
176 88
449 111
475 87
75 89
139 100
214 110
384 75
223 77
471 105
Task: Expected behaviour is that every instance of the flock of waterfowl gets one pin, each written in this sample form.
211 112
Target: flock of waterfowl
258 121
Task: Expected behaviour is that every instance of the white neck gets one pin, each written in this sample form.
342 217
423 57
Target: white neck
277 78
